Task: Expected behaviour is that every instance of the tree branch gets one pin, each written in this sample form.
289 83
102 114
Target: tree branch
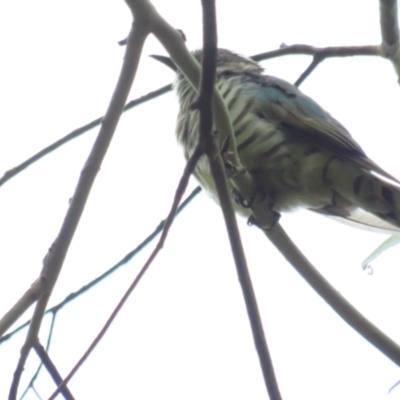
36 374
339 304
103 276
205 106
77 132
389 26
390 46
54 259
314 64
323 52
52 370
168 223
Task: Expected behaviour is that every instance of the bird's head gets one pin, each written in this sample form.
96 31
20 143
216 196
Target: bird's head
227 62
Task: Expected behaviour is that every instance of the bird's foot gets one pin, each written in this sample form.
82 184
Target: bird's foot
263 214
239 199
261 206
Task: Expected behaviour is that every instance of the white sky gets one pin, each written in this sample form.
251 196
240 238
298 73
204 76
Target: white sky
184 333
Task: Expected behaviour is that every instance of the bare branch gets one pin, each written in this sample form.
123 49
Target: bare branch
27 299
36 374
119 264
31 339
323 52
314 64
389 26
51 368
319 54
54 259
390 32
168 223
208 143
77 132
339 304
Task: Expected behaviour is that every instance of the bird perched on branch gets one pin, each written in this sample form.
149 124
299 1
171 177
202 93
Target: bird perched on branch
295 151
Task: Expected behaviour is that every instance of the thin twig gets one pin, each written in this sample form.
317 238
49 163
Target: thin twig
314 64
77 132
319 55
101 277
32 295
31 338
178 196
52 370
49 337
325 52
37 393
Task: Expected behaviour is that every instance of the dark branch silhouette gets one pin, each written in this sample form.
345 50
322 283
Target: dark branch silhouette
204 104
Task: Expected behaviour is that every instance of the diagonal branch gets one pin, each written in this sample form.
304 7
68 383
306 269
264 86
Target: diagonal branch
340 305
52 370
103 276
314 64
36 374
168 223
54 259
77 132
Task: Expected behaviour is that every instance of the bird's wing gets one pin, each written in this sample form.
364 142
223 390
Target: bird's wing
359 218
284 104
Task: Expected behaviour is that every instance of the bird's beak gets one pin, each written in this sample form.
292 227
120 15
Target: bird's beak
166 61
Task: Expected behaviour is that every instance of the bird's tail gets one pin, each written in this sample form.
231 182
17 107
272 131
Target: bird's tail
355 188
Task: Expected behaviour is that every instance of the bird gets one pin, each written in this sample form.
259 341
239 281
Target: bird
296 152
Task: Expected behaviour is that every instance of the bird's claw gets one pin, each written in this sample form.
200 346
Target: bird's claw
239 199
